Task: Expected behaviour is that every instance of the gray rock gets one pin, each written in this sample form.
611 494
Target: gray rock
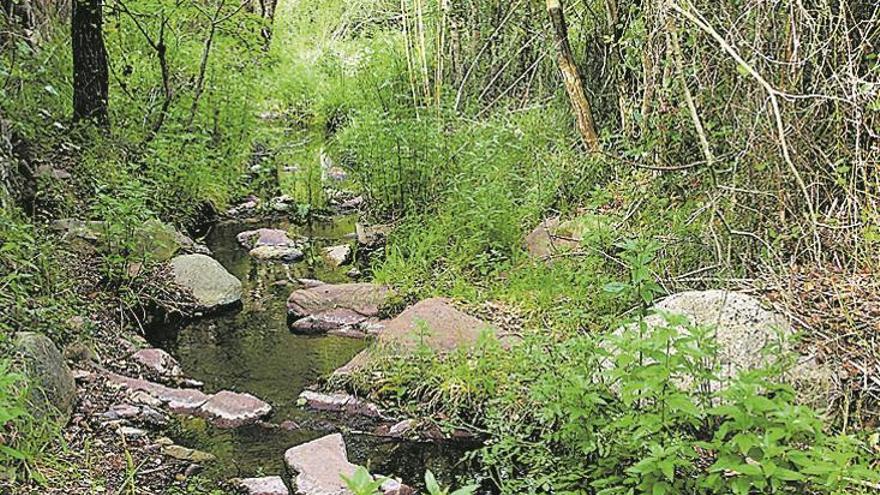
51 386
337 255
121 411
131 433
318 465
210 283
328 320
362 298
743 331
271 245
372 236
187 454
270 485
401 428
555 235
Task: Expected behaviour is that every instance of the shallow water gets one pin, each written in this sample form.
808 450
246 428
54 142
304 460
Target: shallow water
253 351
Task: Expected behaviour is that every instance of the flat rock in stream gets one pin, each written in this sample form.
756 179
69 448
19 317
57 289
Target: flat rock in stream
210 283
232 409
271 245
326 321
340 402
362 298
434 322
318 465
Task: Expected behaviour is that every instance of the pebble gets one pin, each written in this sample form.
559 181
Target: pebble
131 433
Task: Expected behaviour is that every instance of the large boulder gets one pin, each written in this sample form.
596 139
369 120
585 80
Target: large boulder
363 298
51 387
371 236
434 322
153 239
318 466
743 331
210 283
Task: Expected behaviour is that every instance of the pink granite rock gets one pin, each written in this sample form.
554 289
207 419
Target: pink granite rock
271 485
232 409
179 400
318 466
339 402
159 362
435 323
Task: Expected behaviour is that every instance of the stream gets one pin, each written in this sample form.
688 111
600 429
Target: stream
253 351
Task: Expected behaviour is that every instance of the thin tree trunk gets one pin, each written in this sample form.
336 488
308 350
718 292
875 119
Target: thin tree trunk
90 71
574 85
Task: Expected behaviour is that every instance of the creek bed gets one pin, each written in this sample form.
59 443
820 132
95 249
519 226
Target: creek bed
253 351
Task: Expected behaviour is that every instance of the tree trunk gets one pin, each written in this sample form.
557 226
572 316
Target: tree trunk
90 72
574 85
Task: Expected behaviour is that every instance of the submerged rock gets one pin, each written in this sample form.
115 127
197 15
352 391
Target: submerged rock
52 388
270 485
318 465
362 298
231 409
432 322
210 283
271 245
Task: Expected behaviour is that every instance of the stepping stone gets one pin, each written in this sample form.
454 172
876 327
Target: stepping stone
362 298
339 402
318 465
178 400
210 283
158 361
231 409
271 245
270 485
434 322
328 320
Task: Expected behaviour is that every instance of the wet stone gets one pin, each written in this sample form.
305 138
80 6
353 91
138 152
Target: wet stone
327 320
231 409
339 402
182 453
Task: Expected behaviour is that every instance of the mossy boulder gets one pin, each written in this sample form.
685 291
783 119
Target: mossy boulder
51 387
